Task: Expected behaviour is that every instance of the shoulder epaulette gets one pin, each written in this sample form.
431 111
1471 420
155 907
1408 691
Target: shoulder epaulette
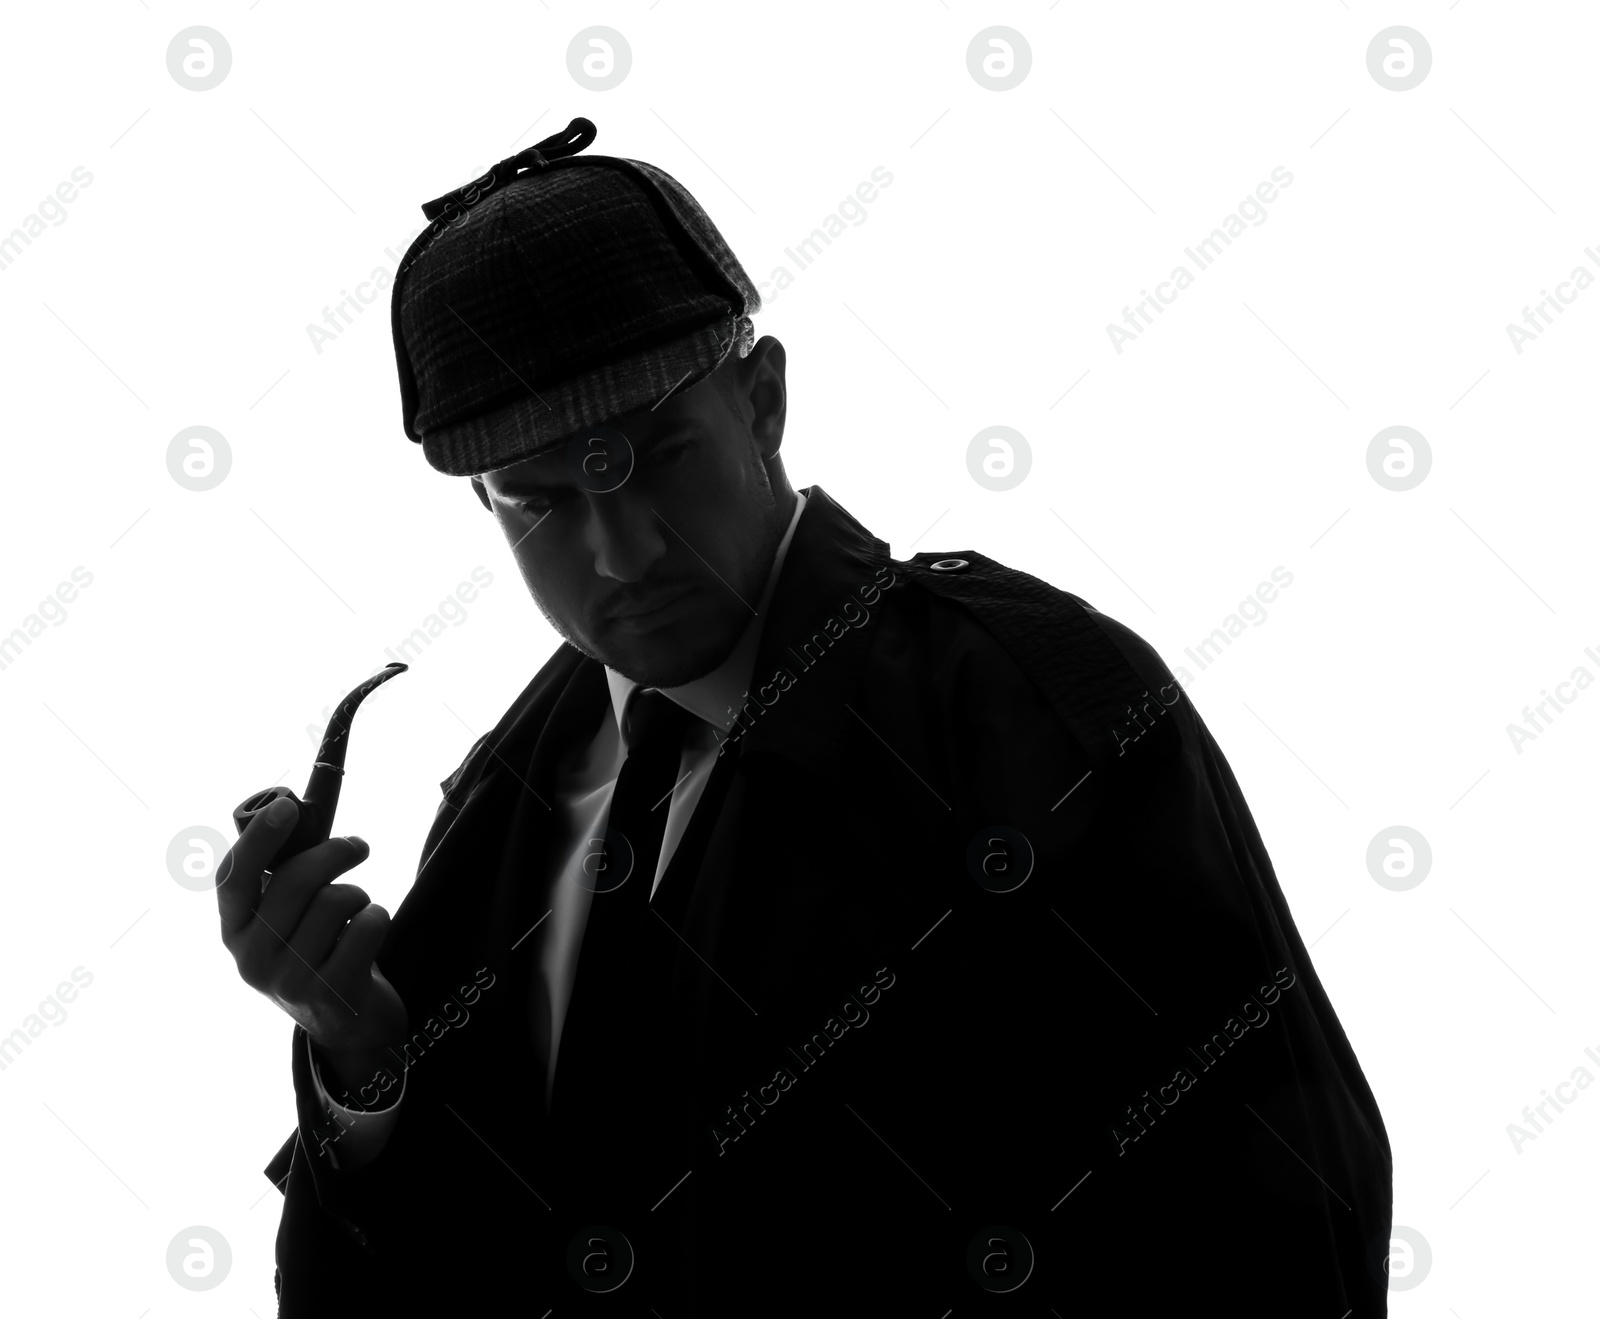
1066 648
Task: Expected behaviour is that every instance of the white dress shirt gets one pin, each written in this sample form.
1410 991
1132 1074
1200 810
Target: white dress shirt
583 788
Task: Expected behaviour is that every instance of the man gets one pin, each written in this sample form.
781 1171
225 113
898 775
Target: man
817 928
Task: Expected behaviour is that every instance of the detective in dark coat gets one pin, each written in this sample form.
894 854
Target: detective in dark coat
968 987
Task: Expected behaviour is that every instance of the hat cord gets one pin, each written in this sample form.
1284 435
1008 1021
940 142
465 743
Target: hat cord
575 137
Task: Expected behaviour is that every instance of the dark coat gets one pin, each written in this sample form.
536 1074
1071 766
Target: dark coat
980 978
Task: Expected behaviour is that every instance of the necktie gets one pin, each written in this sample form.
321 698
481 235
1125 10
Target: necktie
598 1037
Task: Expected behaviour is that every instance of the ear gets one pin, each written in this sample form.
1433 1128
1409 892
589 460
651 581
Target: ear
483 494
762 377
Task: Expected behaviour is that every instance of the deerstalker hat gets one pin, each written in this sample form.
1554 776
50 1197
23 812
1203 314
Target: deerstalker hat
553 293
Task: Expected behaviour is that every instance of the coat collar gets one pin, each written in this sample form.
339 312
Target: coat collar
809 664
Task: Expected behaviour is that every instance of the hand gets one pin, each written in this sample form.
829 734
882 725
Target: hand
306 943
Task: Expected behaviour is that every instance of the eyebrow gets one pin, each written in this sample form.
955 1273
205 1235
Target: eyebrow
531 485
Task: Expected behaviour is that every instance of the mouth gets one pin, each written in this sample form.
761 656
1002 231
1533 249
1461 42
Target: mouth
647 610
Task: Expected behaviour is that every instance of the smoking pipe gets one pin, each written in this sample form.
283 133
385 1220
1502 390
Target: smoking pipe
315 821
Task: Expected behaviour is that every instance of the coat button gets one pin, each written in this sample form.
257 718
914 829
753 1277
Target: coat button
949 565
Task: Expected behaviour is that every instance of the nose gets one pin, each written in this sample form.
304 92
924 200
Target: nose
624 534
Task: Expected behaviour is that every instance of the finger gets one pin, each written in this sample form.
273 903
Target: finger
345 976
353 956
326 915
301 877
239 875
261 947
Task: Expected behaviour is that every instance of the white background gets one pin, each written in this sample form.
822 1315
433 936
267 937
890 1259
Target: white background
1167 480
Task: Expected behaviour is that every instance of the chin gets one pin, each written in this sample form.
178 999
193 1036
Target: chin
671 660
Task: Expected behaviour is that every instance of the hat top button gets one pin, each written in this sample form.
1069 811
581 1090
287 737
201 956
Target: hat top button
949 565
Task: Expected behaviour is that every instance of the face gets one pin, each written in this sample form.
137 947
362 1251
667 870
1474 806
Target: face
659 577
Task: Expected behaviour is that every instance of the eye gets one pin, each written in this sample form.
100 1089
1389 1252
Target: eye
670 453
536 505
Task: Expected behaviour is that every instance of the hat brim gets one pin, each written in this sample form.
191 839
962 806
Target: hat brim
540 422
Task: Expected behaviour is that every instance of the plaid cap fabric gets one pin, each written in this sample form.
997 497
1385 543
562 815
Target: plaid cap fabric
555 293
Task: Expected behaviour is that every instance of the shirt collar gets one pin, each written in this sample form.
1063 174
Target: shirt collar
717 696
